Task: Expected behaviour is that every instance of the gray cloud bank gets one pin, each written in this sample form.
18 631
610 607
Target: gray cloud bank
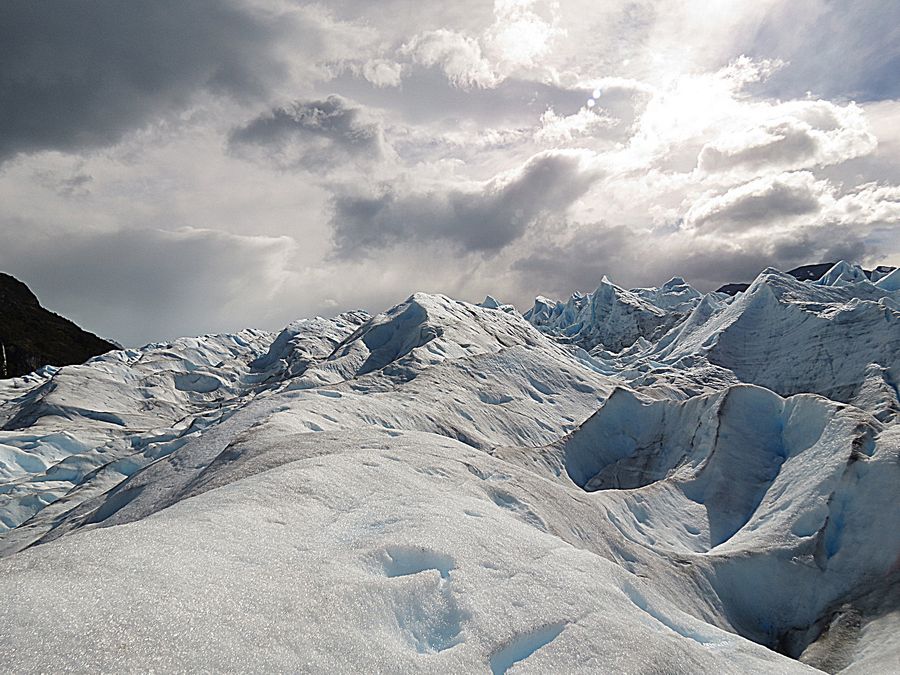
484 219
80 74
160 283
309 134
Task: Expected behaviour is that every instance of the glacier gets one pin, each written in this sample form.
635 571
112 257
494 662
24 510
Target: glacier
628 481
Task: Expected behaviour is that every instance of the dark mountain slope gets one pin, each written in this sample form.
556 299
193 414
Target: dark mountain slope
31 336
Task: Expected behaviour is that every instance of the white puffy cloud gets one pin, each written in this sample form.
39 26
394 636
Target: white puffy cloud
869 205
563 128
792 135
517 41
383 72
520 37
795 201
458 55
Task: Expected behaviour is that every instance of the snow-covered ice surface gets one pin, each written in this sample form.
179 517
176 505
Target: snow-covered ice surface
612 317
653 480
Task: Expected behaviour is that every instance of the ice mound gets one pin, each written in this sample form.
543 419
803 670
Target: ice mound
437 566
791 336
113 414
305 342
482 376
890 282
610 317
653 480
770 499
674 295
421 332
842 273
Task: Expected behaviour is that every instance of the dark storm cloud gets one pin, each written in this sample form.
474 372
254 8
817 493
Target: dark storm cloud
594 250
710 265
313 131
482 220
80 74
792 250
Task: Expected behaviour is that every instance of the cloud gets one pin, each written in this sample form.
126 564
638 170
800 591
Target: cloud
79 75
869 205
640 258
516 42
710 122
453 146
563 128
72 183
799 134
313 135
484 217
140 285
795 201
520 38
457 55
589 250
427 99
782 143
687 110
383 72
767 201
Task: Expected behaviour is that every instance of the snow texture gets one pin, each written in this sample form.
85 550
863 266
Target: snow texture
653 480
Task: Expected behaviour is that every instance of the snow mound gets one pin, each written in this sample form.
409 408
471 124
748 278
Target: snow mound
113 414
890 281
482 376
490 302
440 566
675 295
303 343
841 274
421 332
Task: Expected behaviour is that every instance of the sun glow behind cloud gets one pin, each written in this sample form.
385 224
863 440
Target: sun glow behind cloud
520 37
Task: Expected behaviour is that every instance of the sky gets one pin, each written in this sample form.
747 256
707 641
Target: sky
178 168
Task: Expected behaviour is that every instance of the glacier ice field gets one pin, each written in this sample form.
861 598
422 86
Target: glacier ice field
653 480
